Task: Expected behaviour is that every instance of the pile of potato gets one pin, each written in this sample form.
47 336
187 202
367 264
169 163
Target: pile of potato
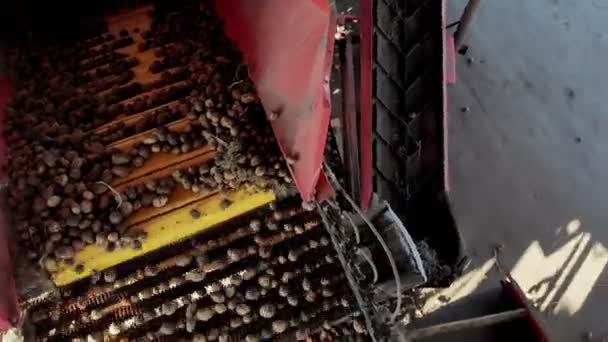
69 111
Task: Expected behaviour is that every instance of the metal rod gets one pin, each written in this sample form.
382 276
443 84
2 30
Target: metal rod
470 323
366 55
351 128
465 21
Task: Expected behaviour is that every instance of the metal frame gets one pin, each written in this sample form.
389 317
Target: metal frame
365 22
419 206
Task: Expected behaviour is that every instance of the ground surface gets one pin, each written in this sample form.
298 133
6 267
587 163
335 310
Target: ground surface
528 166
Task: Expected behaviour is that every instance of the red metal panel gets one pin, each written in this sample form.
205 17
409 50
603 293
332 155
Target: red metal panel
288 46
450 59
366 22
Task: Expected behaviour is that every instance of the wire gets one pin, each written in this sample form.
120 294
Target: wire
351 281
357 236
235 83
117 195
389 255
378 236
371 264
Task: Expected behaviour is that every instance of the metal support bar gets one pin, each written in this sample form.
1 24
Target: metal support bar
470 323
366 94
465 21
350 120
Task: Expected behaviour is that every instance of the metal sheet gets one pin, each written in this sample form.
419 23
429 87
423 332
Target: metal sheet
166 229
288 47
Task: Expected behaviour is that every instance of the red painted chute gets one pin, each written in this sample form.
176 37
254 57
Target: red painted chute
288 46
